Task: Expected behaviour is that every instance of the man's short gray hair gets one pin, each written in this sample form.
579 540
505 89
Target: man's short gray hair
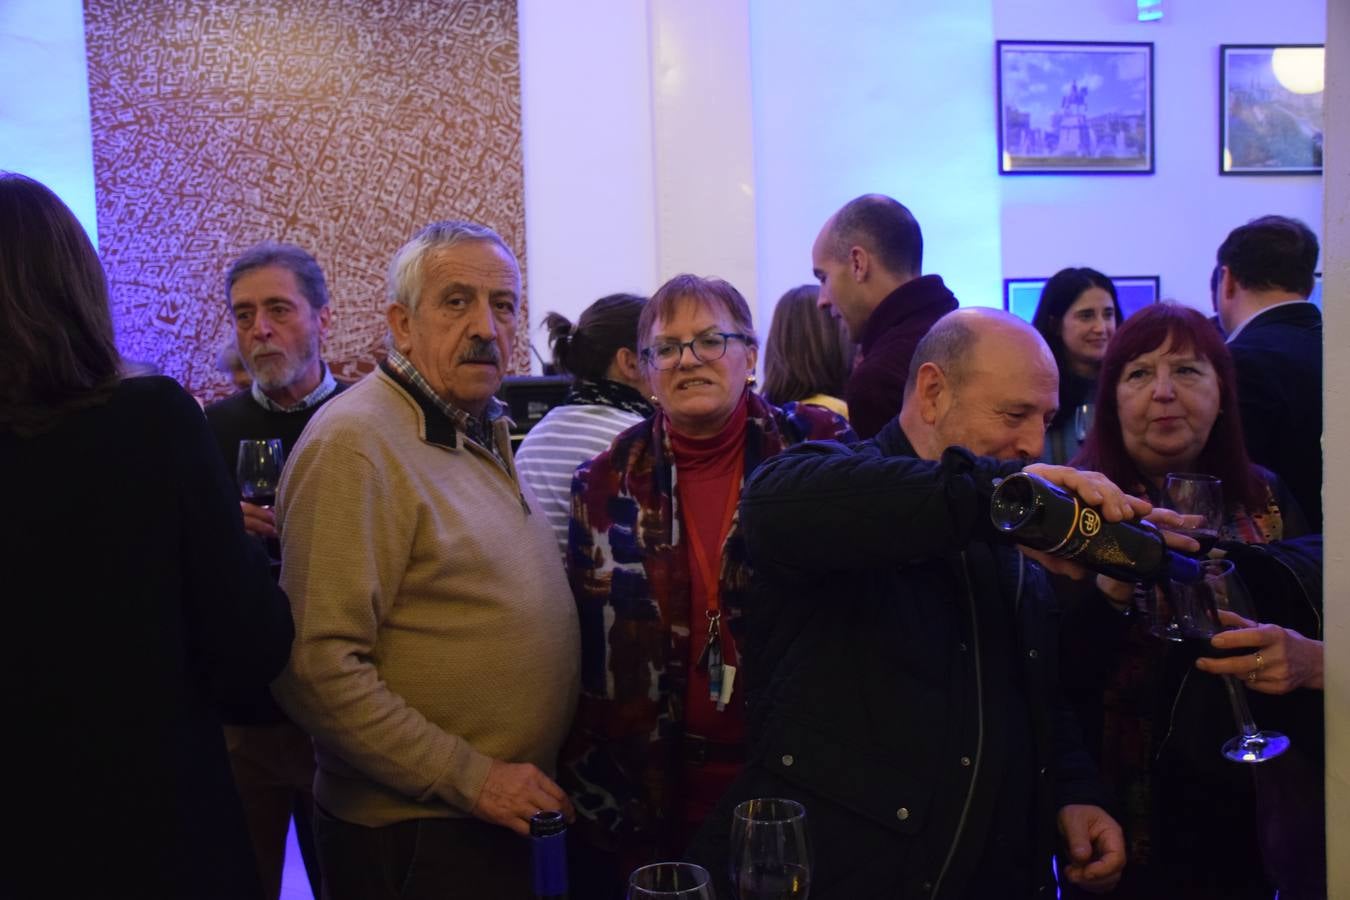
948 345
404 284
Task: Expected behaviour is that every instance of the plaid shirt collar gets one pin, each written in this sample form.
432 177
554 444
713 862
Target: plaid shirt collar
477 429
327 385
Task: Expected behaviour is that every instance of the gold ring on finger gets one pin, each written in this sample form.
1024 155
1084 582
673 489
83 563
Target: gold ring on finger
1259 662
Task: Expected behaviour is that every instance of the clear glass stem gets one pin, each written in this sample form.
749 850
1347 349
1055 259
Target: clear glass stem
1242 713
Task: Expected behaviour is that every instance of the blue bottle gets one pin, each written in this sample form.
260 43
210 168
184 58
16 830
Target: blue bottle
548 835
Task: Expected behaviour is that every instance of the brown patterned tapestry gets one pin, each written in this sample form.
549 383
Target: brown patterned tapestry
342 126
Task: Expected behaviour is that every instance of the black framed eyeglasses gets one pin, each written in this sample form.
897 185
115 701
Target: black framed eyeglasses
706 348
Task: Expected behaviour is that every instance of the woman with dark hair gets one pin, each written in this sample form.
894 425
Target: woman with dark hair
658 567
605 398
1077 315
138 603
1167 403
808 354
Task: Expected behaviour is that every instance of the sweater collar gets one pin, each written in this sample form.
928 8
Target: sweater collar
443 422
917 298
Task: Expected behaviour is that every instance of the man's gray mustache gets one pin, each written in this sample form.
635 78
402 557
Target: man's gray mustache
483 353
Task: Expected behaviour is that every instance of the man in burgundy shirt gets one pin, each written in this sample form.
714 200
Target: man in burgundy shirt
868 258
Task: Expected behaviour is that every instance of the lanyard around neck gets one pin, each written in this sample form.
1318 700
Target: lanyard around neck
711 580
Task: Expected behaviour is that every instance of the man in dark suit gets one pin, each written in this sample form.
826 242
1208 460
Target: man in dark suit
1265 277
868 258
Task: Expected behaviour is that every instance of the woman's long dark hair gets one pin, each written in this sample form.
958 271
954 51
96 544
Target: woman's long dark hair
56 337
1059 293
808 350
1225 452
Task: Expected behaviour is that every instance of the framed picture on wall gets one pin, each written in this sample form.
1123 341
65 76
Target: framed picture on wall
1021 295
1069 107
1270 114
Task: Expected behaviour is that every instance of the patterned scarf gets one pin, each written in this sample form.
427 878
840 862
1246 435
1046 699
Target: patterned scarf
603 392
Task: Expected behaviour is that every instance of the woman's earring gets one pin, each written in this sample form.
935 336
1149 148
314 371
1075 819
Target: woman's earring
655 402
750 380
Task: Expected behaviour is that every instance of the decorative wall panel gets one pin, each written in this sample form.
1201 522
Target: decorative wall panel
339 125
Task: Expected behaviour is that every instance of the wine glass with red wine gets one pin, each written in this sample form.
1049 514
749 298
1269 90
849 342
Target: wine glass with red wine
1197 496
258 471
1196 607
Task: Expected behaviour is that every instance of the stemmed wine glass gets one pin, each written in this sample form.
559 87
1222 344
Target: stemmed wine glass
1197 609
770 855
1200 496
1082 420
1200 499
671 880
258 471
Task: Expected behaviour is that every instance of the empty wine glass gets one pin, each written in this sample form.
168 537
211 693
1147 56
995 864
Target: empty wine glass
258 471
1200 496
1197 608
770 855
671 880
1082 420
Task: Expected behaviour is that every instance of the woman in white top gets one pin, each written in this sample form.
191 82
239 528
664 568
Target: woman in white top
606 398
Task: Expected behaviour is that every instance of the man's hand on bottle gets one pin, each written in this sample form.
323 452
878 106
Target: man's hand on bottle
515 791
1096 490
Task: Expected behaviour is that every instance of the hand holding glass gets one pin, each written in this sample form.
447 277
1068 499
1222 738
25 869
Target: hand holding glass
258 471
1197 609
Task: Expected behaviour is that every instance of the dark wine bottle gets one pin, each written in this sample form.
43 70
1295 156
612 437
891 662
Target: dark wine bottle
548 837
1048 518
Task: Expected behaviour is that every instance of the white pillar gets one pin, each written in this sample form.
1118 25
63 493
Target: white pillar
1336 491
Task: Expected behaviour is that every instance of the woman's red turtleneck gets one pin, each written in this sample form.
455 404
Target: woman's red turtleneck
707 471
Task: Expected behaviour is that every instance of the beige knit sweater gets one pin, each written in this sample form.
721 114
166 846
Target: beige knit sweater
435 630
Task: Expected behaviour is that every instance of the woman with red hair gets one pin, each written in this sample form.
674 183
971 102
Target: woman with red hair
1167 402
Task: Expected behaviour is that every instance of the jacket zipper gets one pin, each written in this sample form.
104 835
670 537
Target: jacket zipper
979 732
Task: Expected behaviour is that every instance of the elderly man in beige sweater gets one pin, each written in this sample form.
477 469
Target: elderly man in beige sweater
436 650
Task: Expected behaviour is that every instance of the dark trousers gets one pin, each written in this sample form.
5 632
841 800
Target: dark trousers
422 859
273 769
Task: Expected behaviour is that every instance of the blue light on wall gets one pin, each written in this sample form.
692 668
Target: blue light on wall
1150 10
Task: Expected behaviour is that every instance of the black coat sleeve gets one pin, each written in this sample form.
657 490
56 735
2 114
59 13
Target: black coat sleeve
237 620
823 507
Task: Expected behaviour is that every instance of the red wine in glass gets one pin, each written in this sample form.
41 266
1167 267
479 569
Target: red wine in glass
1205 537
258 494
258 470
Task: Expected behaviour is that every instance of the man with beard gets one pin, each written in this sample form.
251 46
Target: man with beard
279 303
437 651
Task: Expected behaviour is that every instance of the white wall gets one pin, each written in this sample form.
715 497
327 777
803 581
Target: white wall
857 97
586 112
44 105
1170 223
1336 303
638 148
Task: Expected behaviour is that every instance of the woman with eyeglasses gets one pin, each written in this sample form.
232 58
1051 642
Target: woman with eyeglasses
659 572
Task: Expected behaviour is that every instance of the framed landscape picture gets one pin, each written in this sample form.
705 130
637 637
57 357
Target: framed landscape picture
1270 115
1075 107
1021 295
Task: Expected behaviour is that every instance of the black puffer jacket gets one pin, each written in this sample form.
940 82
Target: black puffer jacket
902 671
